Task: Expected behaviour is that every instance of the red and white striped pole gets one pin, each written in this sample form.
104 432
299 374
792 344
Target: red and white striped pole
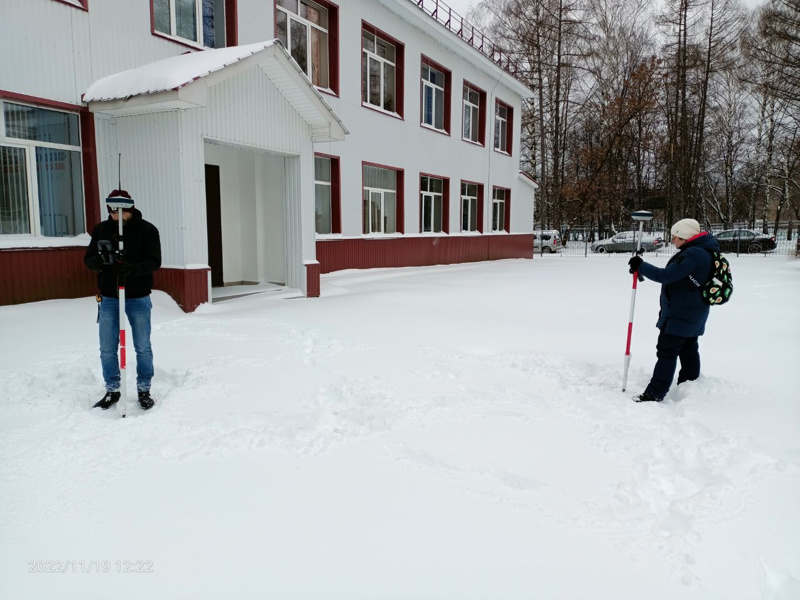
641 216
123 388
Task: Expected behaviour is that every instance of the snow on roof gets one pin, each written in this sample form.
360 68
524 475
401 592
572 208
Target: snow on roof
168 74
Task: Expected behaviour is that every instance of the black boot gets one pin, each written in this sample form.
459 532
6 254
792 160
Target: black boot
647 398
145 401
108 400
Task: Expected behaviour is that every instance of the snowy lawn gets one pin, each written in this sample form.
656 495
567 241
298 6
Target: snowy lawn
454 432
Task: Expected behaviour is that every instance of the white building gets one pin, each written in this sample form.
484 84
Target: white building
391 139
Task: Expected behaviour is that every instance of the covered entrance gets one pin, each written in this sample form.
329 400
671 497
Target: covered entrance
245 212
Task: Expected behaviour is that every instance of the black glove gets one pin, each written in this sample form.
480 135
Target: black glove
122 269
635 263
95 263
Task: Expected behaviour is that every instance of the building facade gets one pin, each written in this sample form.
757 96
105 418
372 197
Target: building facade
269 140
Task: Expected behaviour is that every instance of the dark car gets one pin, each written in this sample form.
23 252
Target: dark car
745 240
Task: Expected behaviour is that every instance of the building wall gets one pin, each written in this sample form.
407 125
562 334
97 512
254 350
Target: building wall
378 138
162 154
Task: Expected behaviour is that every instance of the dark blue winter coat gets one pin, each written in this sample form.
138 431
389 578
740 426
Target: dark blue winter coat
683 311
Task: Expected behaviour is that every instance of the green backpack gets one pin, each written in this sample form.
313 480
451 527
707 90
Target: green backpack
719 287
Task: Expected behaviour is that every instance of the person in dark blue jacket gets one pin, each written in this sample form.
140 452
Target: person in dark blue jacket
683 314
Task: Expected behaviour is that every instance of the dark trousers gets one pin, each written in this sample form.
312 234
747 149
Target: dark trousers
669 349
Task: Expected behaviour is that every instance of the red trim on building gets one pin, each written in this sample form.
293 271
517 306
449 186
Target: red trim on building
448 93
91 186
15 97
188 287
312 280
84 4
399 69
231 23
370 253
36 274
91 192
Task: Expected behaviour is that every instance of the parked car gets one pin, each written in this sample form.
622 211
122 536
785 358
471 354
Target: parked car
546 241
625 241
745 240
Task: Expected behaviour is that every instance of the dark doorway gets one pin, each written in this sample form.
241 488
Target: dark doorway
214 224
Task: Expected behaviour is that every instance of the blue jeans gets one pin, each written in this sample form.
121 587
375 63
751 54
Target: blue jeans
138 312
669 349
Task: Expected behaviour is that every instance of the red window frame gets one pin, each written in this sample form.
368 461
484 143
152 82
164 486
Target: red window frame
333 43
336 191
509 127
479 216
231 27
399 69
91 187
79 4
448 92
481 114
507 210
399 194
445 200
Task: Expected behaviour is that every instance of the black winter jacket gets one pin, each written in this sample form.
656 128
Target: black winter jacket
142 248
683 311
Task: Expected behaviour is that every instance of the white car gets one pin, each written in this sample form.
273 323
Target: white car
626 241
546 241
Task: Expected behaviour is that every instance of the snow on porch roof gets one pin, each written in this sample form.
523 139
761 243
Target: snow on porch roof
167 84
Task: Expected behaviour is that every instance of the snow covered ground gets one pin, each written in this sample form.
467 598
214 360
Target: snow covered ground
454 432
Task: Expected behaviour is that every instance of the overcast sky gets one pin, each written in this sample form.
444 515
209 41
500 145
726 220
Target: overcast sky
462 6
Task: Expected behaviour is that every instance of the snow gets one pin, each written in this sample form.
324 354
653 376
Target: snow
169 73
452 432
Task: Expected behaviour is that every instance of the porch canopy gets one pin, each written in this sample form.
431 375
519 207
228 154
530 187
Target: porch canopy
182 82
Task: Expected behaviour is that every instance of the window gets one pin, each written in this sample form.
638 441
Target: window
201 22
327 194
434 194
383 200
503 127
309 30
381 71
435 93
501 199
471 206
41 184
474 119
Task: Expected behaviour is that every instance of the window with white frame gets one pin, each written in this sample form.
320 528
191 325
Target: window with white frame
500 198
432 204
380 200
434 86
303 27
502 127
472 114
41 182
378 72
469 206
199 21
323 193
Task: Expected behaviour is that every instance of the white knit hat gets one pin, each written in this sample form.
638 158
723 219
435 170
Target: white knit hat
685 229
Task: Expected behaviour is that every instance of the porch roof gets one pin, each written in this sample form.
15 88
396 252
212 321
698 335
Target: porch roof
181 82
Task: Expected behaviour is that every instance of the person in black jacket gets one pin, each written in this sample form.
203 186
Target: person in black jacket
683 314
141 256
